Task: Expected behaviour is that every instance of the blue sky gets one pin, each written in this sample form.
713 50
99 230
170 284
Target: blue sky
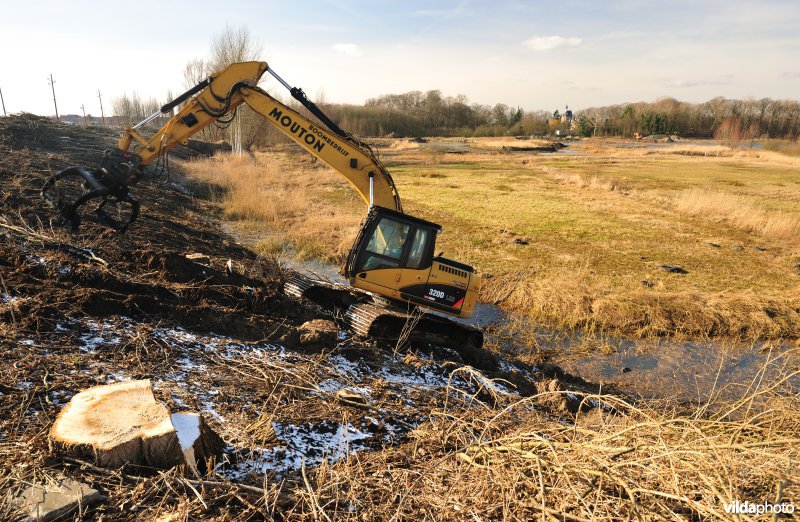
537 55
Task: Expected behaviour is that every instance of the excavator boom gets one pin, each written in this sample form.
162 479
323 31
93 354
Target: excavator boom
235 85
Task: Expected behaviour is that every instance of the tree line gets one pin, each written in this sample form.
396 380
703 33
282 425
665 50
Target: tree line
431 114
716 118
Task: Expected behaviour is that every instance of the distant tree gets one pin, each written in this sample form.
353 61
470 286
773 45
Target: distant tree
195 71
231 46
132 109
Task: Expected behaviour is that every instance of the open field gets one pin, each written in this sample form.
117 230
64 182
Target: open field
575 239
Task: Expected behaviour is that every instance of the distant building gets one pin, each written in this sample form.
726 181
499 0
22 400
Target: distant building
564 121
567 117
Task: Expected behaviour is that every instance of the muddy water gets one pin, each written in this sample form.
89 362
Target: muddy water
684 370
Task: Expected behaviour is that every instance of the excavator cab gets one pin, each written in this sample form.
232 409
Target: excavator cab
393 256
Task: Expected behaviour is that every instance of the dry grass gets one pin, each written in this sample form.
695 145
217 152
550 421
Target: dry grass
405 144
508 143
619 461
591 181
738 211
311 208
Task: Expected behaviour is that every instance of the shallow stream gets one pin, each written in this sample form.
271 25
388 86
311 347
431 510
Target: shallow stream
662 368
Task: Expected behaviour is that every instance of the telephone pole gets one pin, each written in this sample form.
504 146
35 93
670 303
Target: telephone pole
84 115
52 86
3 102
102 114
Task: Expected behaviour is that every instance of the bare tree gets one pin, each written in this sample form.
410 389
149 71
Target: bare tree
195 72
233 46
133 108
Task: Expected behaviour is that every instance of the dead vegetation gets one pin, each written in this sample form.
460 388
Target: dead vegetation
622 461
342 431
284 193
740 212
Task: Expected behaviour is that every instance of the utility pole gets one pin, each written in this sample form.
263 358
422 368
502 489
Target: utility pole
3 102
102 114
84 115
52 86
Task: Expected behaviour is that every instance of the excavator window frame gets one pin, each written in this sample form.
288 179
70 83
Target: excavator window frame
414 225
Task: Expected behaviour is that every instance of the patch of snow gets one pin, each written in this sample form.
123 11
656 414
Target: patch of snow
112 377
187 428
28 342
90 344
188 364
5 298
330 385
208 407
344 366
304 444
424 377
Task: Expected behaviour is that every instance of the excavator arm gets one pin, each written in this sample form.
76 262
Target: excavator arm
236 85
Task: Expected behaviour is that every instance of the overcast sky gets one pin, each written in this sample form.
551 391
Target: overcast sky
537 55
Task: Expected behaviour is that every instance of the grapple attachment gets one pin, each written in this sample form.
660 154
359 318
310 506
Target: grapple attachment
69 190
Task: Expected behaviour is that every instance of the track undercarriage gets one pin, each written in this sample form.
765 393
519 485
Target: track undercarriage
374 317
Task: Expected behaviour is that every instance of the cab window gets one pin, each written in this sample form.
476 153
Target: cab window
385 247
416 258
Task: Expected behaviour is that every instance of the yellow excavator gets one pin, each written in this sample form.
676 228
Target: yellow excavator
394 254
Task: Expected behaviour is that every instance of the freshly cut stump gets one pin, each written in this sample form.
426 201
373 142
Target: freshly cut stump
122 423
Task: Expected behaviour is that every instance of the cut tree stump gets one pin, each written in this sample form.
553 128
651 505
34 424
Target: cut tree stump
122 423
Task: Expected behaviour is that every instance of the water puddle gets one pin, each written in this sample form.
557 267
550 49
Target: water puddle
684 370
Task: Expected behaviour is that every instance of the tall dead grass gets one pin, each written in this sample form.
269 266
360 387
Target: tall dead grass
267 193
564 297
740 212
616 460
592 181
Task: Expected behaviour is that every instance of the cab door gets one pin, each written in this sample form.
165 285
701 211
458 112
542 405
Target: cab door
395 253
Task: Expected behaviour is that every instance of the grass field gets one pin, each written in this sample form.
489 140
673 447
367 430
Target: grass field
573 239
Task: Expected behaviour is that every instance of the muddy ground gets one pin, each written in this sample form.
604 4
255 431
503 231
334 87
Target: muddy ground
215 334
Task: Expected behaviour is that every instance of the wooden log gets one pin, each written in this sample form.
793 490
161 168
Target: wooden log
122 423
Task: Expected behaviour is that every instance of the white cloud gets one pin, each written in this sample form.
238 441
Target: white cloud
348 49
696 83
546 43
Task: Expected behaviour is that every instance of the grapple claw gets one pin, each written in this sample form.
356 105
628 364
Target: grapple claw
72 188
